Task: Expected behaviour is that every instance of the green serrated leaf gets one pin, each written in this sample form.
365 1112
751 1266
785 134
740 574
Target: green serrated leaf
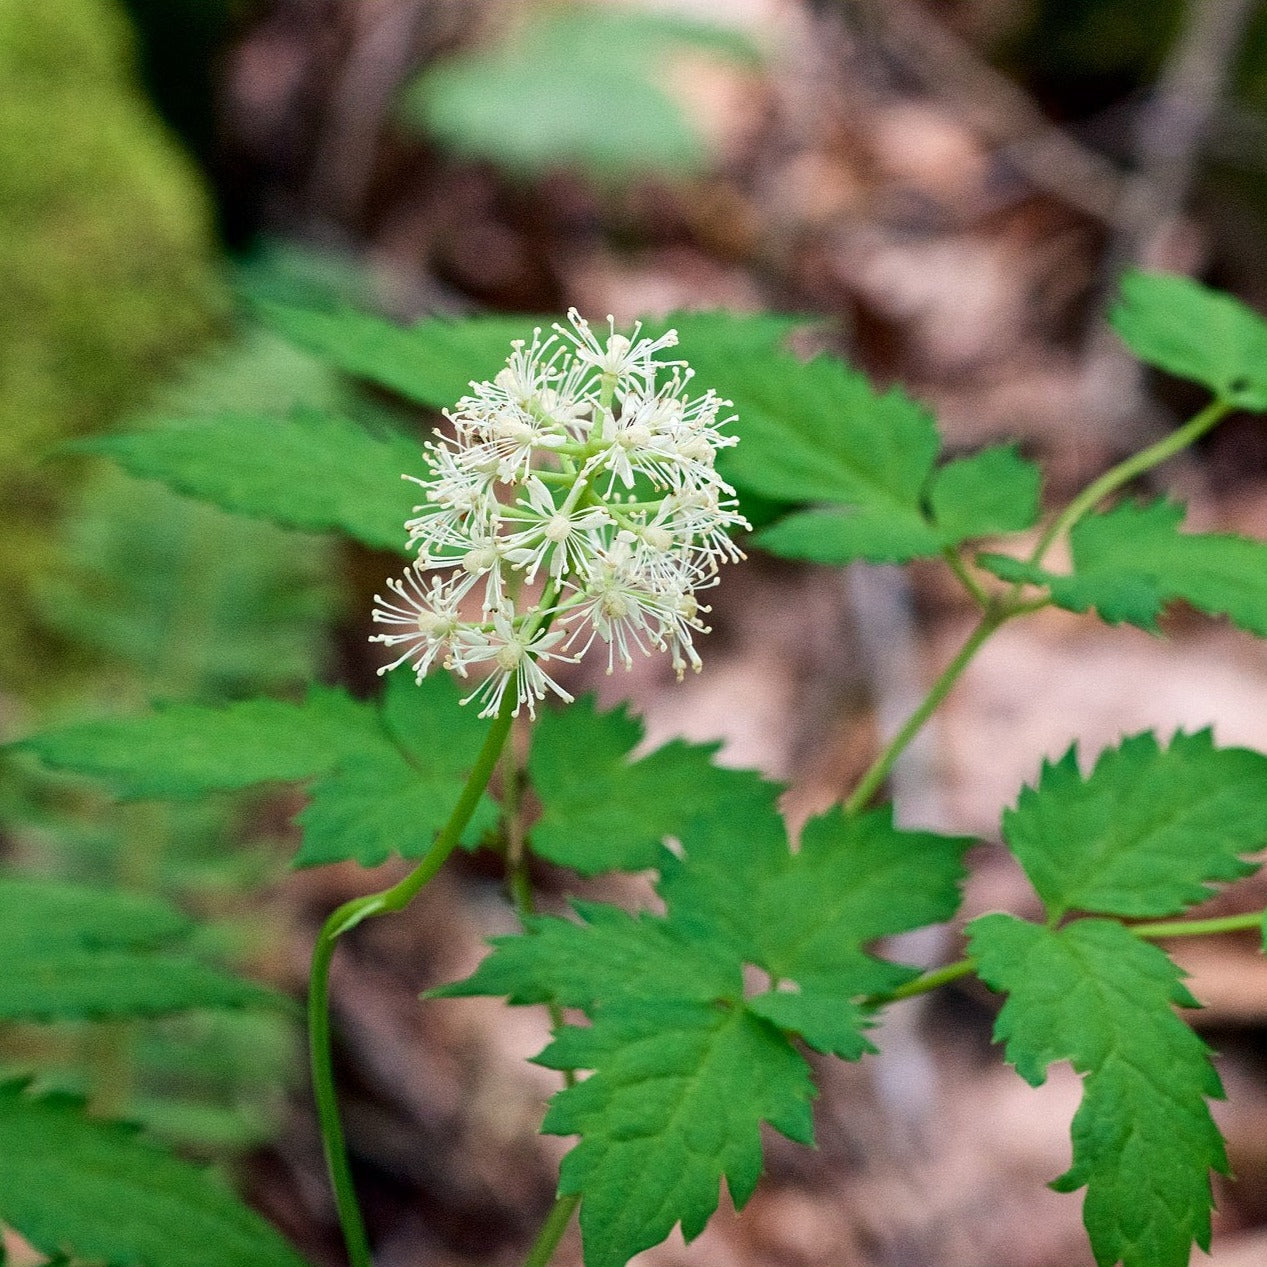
994 491
856 878
98 1191
600 810
311 471
611 956
737 838
675 1103
73 953
1189 330
819 432
396 791
1132 560
1147 833
432 363
1143 1139
826 1022
187 750
96 984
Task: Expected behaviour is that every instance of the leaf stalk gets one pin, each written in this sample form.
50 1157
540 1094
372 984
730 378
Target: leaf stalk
347 917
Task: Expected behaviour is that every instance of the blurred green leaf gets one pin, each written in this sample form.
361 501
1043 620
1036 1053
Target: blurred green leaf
99 1191
431 363
1189 330
190 749
574 85
990 492
194 601
309 471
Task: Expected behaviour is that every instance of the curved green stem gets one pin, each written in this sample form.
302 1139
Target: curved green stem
1161 931
347 917
1124 472
552 1231
994 616
996 612
930 980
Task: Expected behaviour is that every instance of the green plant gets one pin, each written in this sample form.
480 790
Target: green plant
574 85
685 1057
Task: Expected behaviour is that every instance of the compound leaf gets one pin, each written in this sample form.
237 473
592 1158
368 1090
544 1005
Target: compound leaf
96 1191
675 1103
395 793
1147 832
312 471
600 810
856 878
819 432
1191 331
187 750
1132 560
990 492
1143 1139
432 363
685 1066
611 956
74 953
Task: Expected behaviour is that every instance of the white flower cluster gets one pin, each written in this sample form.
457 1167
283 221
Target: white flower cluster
577 501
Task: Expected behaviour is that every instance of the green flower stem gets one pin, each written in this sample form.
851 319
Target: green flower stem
1163 931
347 917
1124 472
552 1231
994 616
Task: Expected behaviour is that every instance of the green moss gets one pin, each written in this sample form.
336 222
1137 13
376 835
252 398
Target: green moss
105 266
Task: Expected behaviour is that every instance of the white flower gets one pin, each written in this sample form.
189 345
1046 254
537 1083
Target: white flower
426 621
515 655
585 463
619 356
563 534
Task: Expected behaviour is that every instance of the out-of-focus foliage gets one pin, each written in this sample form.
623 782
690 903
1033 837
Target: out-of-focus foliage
104 264
574 85
163 597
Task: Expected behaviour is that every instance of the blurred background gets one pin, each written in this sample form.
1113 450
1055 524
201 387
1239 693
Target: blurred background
946 189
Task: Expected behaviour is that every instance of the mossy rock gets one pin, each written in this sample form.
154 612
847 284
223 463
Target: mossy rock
106 267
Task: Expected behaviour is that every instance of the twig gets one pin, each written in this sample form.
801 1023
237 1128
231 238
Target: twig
993 105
